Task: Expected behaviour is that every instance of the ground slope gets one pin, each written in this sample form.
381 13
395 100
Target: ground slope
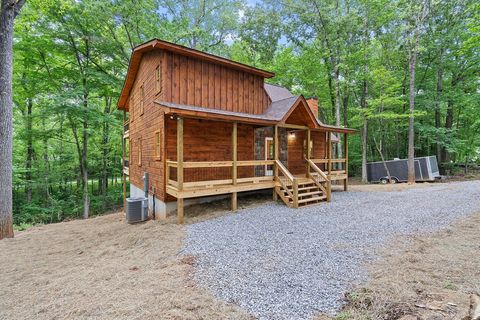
101 268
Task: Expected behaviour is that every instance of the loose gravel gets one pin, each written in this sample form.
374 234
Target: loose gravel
281 263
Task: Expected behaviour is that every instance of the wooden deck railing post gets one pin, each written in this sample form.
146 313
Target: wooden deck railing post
276 151
295 192
180 208
345 152
234 164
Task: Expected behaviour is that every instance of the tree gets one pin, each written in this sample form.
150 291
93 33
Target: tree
416 17
8 12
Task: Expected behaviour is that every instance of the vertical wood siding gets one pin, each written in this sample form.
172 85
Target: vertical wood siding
204 84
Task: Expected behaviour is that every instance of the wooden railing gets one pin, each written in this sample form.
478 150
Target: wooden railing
203 174
286 179
329 165
320 178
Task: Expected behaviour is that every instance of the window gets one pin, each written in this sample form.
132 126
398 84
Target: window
139 151
130 107
158 143
142 98
158 79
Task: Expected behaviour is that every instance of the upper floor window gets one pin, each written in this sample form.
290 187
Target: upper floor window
142 98
157 144
158 79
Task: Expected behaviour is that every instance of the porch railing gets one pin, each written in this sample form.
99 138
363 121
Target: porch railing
286 180
210 174
320 179
330 163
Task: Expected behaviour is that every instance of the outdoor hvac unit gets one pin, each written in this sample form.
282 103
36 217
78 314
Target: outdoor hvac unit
137 209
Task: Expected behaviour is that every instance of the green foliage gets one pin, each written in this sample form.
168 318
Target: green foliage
70 59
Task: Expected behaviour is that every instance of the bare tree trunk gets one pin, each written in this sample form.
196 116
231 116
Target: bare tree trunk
46 173
412 65
437 113
84 164
8 11
336 72
380 151
28 164
105 152
411 120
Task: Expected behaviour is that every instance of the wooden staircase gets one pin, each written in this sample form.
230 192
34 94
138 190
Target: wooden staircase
301 191
308 193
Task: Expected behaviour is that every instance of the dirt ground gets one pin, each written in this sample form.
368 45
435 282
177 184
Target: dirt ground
422 277
103 268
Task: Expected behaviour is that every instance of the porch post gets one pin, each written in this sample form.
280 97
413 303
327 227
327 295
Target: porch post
180 213
329 152
308 152
276 151
234 164
345 153
329 166
124 153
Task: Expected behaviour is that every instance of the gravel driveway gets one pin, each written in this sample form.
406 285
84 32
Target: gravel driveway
282 263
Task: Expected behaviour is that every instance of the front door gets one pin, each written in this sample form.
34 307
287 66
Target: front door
269 155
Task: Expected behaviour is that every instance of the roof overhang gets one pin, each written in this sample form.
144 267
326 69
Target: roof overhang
213 114
156 44
256 119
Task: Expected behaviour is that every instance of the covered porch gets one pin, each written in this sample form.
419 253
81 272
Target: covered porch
207 157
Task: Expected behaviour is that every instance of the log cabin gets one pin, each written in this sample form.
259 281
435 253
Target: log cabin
203 126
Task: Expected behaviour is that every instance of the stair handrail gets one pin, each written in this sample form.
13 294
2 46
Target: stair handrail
323 175
292 179
284 170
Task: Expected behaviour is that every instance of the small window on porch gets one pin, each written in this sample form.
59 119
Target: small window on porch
158 79
158 143
142 98
139 152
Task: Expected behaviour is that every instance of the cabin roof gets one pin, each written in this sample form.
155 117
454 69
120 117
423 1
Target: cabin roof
157 44
276 92
277 112
215 114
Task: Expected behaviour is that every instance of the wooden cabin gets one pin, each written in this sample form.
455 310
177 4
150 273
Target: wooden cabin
205 126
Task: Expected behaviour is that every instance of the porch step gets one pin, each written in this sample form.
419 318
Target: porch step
312 199
309 193
311 186
305 194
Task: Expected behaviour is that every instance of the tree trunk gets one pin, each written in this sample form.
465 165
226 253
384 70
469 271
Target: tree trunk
8 11
336 74
438 145
84 164
411 120
105 152
28 164
380 151
364 131
448 127
46 173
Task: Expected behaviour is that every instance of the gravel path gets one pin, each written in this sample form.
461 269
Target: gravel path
280 263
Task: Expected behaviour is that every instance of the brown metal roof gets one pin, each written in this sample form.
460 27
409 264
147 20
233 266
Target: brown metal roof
216 113
276 113
277 92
